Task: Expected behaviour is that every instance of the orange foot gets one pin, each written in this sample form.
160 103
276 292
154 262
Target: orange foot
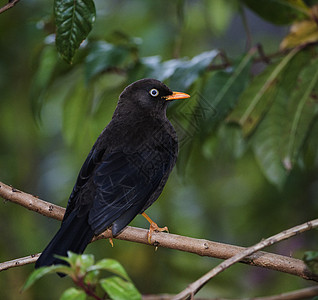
153 227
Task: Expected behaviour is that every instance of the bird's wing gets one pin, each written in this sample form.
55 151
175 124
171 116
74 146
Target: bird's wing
88 167
123 183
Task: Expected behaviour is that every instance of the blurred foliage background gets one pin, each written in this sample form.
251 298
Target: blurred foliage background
229 185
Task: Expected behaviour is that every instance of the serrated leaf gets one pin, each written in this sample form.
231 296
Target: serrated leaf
280 12
301 33
120 289
73 294
110 265
311 260
39 273
256 100
102 56
74 20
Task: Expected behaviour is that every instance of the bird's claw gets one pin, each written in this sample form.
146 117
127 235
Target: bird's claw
154 227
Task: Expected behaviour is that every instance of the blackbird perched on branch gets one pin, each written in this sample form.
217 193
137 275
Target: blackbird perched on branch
124 173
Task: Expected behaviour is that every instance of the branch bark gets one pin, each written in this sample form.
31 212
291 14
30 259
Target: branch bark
197 246
9 5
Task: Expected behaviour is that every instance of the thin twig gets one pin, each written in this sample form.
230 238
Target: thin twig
294 295
262 55
86 288
246 27
194 287
300 294
9 5
169 297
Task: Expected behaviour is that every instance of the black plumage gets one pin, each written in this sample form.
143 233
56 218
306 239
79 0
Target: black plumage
125 171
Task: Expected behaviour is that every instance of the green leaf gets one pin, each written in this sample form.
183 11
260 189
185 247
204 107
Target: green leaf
256 100
187 72
222 89
180 73
75 112
311 260
166 69
39 273
300 113
86 260
120 289
91 278
266 143
42 78
280 12
277 140
144 68
102 56
74 20
110 265
309 155
198 117
78 262
73 294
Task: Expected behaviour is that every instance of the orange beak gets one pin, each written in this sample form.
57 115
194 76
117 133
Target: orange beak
177 95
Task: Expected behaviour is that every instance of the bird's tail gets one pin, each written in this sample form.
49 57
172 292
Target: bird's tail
74 235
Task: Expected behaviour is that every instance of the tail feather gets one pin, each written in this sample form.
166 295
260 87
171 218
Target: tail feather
74 235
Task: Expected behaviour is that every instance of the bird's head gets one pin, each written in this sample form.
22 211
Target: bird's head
149 95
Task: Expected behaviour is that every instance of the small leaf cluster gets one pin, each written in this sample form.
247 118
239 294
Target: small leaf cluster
86 274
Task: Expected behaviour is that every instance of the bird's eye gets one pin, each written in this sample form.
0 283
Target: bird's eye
154 92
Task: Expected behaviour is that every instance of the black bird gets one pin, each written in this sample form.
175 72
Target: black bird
124 173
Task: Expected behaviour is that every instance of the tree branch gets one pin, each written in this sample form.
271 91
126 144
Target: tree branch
197 246
194 287
19 262
9 5
31 202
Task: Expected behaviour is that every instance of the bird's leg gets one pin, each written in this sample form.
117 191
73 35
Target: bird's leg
153 227
110 239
